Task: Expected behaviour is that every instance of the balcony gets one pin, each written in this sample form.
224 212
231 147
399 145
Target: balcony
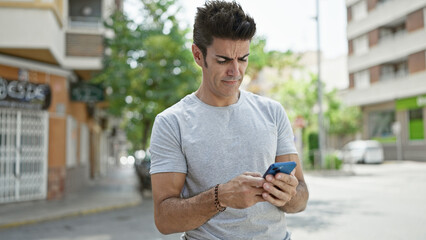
80 22
383 91
393 71
32 33
382 15
84 35
397 47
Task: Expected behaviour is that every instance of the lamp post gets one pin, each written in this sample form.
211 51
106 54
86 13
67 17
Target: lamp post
321 133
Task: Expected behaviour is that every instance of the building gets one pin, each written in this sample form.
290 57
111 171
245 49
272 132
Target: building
53 133
387 73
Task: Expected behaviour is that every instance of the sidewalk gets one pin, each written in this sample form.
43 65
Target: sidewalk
116 190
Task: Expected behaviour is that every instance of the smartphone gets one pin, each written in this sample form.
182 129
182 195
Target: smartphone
284 167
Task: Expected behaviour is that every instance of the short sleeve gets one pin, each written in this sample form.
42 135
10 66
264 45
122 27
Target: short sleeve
285 141
165 148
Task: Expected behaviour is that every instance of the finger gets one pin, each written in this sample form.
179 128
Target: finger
260 198
269 178
281 189
288 179
258 191
276 202
253 174
253 180
277 193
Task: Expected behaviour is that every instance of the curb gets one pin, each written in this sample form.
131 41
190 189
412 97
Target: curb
70 214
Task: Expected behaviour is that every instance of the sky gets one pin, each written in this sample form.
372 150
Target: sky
286 24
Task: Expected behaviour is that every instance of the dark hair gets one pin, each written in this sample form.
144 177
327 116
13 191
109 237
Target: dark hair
222 20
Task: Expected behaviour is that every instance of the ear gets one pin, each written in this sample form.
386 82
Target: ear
198 55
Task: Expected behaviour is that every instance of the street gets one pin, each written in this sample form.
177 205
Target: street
127 223
369 202
384 201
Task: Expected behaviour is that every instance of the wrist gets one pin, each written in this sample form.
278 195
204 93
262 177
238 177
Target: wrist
219 206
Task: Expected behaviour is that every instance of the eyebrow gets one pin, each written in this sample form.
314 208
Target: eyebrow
227 58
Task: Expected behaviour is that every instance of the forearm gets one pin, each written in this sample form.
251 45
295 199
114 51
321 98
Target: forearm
178 215
299 201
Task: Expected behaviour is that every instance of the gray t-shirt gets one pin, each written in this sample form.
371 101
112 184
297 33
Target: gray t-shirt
212 145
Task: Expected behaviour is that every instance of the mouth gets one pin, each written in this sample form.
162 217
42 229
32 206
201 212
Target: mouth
231 81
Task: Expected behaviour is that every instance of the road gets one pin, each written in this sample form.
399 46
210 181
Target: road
128 223
369 202
386 201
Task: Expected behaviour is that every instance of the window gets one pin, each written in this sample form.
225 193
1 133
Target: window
361 45
392 31
359 10
85 13
391 71
362 79
380 125
415 124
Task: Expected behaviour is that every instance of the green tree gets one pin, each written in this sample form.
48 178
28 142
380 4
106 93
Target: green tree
260 58
342 120
147 67
299 98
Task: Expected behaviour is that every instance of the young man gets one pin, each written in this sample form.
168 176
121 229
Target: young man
210 149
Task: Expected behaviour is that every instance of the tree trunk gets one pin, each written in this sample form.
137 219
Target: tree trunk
146 131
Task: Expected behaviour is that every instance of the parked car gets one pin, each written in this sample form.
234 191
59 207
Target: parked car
142 167
363 151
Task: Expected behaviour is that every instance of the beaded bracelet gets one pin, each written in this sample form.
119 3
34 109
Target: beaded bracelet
216 199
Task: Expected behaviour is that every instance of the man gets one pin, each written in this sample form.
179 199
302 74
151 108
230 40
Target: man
209 150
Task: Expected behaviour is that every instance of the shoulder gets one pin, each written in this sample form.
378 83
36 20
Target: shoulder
177 110
262 101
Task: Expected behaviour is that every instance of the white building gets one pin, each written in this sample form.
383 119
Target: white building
50 141
387 72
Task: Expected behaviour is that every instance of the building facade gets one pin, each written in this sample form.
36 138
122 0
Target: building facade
50 141
387 73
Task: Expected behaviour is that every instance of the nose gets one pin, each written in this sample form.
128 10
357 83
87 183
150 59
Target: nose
233 69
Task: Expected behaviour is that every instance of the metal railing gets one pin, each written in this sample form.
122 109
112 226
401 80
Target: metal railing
85 22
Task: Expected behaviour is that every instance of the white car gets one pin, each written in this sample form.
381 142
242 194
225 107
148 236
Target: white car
363 151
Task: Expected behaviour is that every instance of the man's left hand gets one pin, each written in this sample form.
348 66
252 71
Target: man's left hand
280 189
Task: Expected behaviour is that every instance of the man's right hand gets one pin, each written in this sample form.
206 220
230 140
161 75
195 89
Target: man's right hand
243 191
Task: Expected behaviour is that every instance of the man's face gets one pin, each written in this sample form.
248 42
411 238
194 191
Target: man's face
222 76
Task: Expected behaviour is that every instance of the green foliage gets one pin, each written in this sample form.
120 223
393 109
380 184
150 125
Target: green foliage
332 162
147 67
313 144
341 119
260 57
299 98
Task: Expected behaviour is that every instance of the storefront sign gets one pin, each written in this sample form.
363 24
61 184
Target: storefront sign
421 101
85 92
23 94
411 103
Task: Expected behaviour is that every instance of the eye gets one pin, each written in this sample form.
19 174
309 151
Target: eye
222 61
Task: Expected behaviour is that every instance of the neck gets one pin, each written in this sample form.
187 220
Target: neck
216 101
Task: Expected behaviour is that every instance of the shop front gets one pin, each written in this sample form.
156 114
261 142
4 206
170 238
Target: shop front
23 139
411 114
400 126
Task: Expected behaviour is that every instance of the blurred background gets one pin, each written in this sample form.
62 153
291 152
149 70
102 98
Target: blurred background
81 82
